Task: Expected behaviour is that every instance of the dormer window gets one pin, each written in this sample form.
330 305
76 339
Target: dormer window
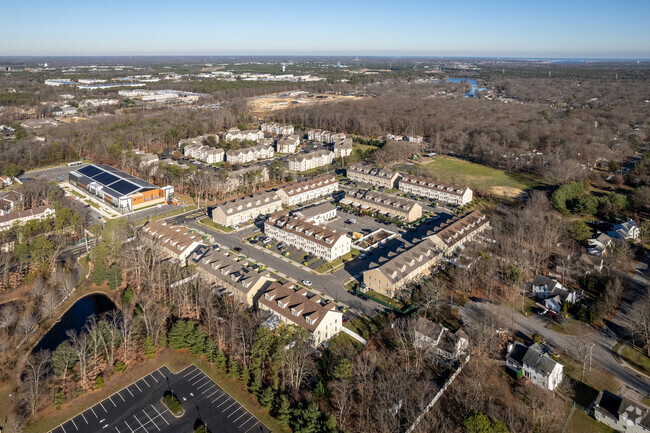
309 320
229 210
268 296
281 304
403 268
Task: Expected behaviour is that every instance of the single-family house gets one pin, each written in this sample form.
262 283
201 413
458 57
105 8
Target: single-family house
534 364
621 413
627 230
434 338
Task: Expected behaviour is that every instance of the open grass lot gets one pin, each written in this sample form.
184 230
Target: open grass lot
208 222
477 176
175 361
636 359
597 378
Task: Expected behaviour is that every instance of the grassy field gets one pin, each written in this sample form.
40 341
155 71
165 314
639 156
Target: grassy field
477 176
208 222
636 359
176 361
583 423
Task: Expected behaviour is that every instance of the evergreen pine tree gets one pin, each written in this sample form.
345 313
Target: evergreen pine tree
284 412
99 274
114 276
196 341
221 361
149 349
267 398
233 369
180 333
211 350
256 384
245 376
59 399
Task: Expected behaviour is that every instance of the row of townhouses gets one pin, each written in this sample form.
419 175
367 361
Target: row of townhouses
419 260
250 134
385 204
248 208
9 200
207 154
249 154
383 178
288 144
20 217
317 214
325 136
320 241
453 194
307 190
277 128
319 317
309 160
176 242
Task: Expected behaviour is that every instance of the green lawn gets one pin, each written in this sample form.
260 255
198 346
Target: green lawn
364 147
165 215
476 176
583 423
208 222
636 359
395 303
337 262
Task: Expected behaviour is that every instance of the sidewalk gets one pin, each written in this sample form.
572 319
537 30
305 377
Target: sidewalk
618 355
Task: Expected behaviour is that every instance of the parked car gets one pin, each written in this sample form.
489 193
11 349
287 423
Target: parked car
267 240
237 249
306 283
362 256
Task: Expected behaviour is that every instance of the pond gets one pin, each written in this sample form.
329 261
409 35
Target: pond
75 318
472 82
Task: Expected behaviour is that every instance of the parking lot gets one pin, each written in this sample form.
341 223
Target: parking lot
139 407
57 174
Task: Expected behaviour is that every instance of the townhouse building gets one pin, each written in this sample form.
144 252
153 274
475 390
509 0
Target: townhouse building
460 230
9 200
374 176
237 178
323 242
394 274
207 154
175 242
317 214
230 276
621 413
452 194
343 149
277 128
247 208
328 137
308 190
20 217
309 160
288 144
236 134
385 204
312 313
249 154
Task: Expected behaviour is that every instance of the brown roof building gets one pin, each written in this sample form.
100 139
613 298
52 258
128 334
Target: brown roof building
176 241
459 230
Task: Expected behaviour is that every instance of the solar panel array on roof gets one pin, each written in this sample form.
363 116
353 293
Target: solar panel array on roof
90 171
106 178
124 187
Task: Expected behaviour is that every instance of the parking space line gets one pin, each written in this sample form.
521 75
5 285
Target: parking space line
143 427
127 424
82 415
136 385
247 419
208 389
121 397
63 429
216 391
251 428
118 430
199 380
194 376
143 379
161 415
127 388
74 423
218 399
151 420
161 374
239 417
94 412
225 409
153 377
191 371
234 411
100 403
112 401
206 383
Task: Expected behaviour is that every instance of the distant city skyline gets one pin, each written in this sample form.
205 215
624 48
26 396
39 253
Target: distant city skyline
553 29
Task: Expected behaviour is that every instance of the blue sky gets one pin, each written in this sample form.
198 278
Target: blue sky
523 28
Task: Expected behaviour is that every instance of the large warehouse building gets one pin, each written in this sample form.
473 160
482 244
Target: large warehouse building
123 191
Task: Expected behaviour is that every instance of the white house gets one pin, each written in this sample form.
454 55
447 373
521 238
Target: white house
627 230
310 189
5 181
440 341
599 245
21 217
236 134
288 144
307 161
453 194
249 154
343 149
532 363
553 293
317 214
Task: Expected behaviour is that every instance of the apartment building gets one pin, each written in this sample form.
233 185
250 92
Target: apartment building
385 204
277 128
307 161
9 200
374 176
452 194
233 277
249 154
325 136
394 274
20 217
236 134
177 242
318 317
317 214
237 178
207 154
288 144
247 208
309 189
323 242
343 149
459 230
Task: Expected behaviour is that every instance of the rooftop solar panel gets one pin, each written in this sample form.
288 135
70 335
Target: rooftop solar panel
124 187
106 178
90 171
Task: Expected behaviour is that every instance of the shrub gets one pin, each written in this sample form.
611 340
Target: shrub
119 367
173 403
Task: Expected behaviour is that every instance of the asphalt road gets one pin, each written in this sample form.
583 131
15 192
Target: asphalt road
603 340
138 408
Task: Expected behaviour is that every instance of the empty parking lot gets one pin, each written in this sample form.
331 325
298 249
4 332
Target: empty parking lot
138 407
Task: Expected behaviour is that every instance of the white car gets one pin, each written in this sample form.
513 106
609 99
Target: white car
306 283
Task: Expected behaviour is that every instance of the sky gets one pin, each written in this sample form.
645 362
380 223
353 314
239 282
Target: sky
497 28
